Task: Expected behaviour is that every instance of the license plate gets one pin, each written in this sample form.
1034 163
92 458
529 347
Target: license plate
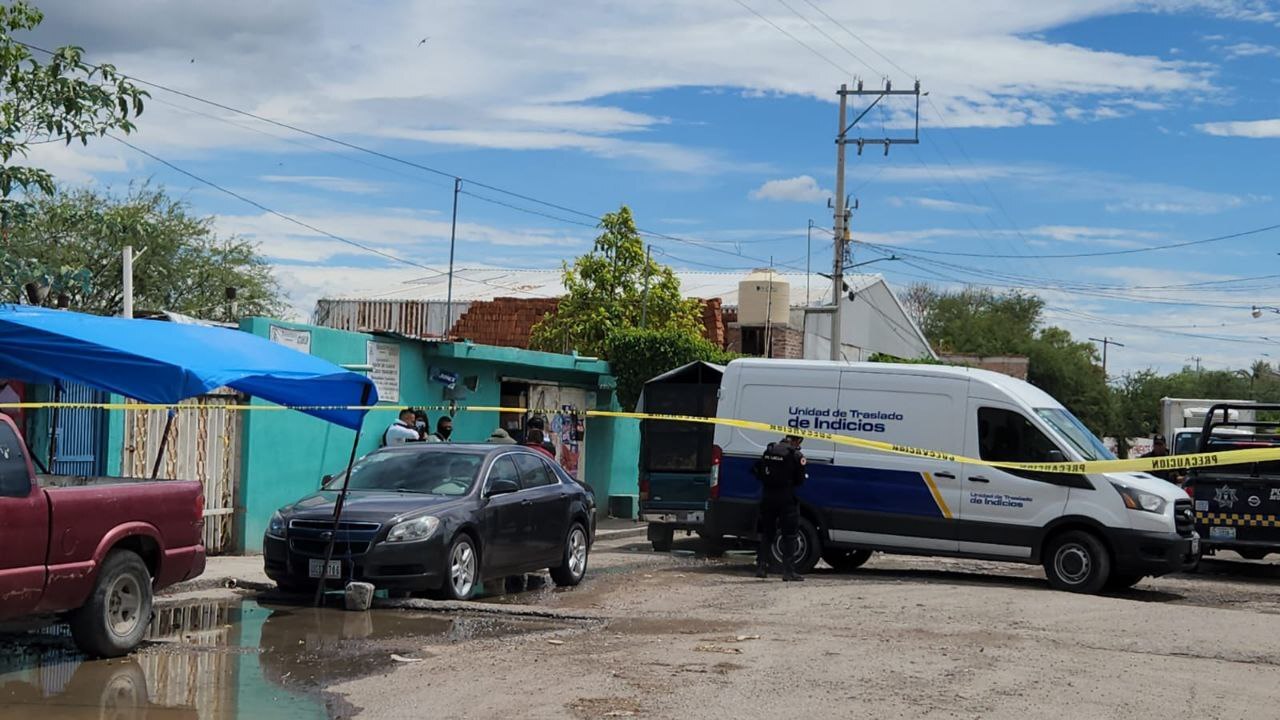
689 517
333 572
1222 533
1195 546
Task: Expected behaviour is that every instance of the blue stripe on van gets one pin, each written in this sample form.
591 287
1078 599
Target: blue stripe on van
902 492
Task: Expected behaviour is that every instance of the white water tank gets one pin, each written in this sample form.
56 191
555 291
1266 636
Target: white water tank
764 298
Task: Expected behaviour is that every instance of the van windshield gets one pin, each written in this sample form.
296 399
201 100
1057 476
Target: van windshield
1074 432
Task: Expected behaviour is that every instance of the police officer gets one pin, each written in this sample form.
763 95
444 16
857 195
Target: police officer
780 470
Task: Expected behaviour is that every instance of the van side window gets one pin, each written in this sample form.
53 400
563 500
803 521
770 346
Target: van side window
14 481
1008 436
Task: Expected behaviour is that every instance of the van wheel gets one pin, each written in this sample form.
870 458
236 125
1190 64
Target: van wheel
1119 581
846 560
808 550
115 617
1077 561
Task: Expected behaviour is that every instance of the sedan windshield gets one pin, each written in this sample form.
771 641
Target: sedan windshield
1074 432
432 473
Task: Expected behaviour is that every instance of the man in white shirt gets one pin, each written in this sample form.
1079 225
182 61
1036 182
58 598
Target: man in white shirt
402 430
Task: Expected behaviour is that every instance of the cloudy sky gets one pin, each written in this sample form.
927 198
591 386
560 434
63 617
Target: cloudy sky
1052 132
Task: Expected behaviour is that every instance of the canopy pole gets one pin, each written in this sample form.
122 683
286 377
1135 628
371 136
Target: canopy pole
53 428
337 506
164 440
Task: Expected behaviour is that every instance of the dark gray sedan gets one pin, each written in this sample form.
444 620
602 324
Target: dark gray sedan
438 517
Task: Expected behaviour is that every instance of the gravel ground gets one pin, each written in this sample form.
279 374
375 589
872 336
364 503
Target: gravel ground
680 636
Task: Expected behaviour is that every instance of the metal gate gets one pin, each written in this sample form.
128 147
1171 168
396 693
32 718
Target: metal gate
79 433
204 445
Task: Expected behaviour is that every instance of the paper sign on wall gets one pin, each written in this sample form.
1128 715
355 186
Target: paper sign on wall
384 359
299 340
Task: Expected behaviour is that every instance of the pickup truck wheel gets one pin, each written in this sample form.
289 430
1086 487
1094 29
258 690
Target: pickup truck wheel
114 619
1077 561
661 537
573 565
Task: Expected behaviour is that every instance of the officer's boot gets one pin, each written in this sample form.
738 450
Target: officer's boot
789 548
762 560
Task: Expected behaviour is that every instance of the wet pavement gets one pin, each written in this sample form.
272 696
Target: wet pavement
229 659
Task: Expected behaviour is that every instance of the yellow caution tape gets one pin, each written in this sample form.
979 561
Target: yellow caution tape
242 407
1172 462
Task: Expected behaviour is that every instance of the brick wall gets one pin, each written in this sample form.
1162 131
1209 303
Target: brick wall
1011 365
787 342
504 321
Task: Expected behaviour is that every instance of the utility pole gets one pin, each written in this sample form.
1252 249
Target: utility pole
841 219
453 235
644 303
1196 359
808 262
126 260
837 270
1105 342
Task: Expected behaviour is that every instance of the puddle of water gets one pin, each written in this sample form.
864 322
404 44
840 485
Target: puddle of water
237 659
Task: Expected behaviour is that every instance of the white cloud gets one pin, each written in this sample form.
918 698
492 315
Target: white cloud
1248 49
801 189
326 182
937 205
1243 128
405 234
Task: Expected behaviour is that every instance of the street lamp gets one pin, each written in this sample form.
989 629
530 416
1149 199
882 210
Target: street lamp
1259 309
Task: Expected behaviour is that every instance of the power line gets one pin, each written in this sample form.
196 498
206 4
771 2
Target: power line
805 45
1105 253
293 220
851 34
824 34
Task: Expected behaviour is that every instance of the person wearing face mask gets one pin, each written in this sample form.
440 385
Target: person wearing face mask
444 429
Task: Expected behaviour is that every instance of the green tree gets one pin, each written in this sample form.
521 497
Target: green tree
614 287
61 98
638 355
185 268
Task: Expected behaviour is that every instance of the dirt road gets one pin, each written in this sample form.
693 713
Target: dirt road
678 636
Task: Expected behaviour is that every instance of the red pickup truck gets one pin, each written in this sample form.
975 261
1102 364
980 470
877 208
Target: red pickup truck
92 549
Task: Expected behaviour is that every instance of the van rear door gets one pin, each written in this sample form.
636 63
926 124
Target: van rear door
883 500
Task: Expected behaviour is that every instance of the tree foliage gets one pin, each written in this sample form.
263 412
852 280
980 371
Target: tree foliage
606 292
185 268
58 99
636 356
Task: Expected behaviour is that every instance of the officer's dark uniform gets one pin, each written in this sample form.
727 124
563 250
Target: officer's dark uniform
780 470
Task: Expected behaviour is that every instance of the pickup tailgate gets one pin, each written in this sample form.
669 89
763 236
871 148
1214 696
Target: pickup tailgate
670 491
1240 509
162 519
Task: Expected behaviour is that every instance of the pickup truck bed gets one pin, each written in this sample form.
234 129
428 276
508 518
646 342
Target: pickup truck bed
92 548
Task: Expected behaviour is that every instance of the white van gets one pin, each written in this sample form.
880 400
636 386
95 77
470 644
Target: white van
1091 532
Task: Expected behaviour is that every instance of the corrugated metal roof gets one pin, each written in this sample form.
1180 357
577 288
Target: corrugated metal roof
488 283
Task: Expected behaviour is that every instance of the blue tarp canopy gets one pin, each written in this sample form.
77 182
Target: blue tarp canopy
161 362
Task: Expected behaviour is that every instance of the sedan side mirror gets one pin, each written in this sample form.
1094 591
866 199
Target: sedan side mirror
502 487
1055 456
324 481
